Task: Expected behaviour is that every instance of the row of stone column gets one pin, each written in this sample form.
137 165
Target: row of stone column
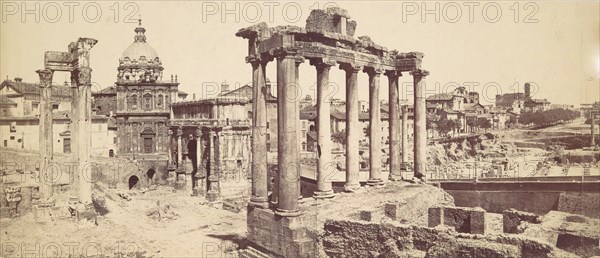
287 187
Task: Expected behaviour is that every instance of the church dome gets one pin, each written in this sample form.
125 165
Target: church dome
139 48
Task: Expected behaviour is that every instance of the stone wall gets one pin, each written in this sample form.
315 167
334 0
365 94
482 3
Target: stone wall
587 204
281 236
362 239
329 21
465 220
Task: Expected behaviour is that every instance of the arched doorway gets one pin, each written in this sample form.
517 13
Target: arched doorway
150 175
133 182
111 153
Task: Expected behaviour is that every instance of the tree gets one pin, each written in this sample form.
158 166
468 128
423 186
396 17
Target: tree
457 126
339 137
428 126
443 126
472 123
512 120
367 130
484 123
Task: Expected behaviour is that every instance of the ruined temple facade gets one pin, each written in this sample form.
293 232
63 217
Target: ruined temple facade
327 41
142 100
210 147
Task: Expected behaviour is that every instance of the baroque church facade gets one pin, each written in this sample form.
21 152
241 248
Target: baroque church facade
140 100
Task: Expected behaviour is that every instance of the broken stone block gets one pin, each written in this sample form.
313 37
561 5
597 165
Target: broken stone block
332 20
477 221
512 218
582 245
435 216
366 215
392 210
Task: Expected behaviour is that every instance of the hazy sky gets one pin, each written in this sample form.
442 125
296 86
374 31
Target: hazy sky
555 45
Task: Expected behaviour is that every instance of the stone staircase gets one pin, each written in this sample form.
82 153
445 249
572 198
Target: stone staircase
251 252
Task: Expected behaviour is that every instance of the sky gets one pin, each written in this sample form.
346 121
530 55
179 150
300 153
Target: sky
489 47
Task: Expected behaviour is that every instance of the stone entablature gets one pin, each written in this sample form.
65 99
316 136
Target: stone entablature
314 44
211 123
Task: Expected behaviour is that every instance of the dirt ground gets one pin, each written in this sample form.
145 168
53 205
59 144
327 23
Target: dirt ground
191 230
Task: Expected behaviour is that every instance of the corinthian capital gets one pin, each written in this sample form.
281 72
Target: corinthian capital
45 77
419 73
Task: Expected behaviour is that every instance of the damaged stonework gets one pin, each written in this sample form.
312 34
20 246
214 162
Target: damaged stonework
465 220
361 239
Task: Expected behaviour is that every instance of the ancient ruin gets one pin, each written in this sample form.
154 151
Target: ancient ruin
132 167
327 40
76 61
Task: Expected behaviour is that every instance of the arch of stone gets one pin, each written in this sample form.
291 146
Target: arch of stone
327 41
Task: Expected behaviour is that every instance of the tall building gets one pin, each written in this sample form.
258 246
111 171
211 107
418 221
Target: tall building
142 99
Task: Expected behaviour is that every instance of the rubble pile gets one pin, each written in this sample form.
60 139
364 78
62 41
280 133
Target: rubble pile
162 212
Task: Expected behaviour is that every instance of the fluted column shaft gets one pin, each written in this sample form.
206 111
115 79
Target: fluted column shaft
45 140
179 147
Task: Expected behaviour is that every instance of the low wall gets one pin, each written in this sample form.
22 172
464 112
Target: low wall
581 198
499 201
363 239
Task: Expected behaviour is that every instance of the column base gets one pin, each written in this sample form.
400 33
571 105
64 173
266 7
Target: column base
287 213
212 196
259 202
395 177
327 194
375 182
351 187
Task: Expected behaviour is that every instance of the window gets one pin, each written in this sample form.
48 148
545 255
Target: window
35 106
67 145
147 102
99 108
267 125
250 116
133 101
160 101
12 137
148 146
54 106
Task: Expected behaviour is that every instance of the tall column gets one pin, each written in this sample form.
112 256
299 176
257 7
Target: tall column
260 178
592 120
352 127
287 149
45 140
300 136
404 164
375 178
394 124
84 137
179 147
74 126
169 146
420 129
199 151
325 164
